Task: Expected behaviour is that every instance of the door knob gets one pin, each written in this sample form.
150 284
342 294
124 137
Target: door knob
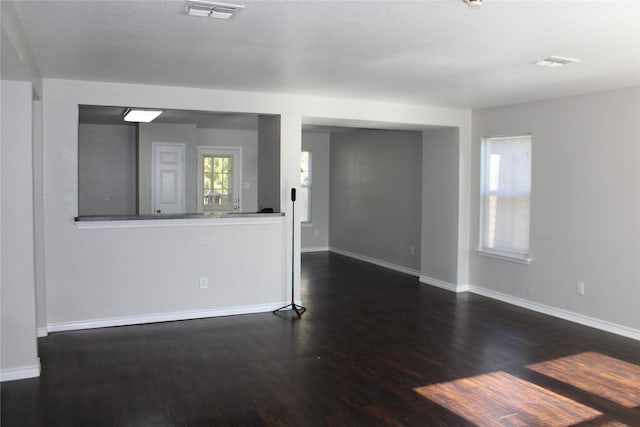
159 211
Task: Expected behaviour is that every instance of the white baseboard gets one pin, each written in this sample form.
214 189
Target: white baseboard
21 373
163 317
42 332
315 249
443 285
385 264
534 306
603 325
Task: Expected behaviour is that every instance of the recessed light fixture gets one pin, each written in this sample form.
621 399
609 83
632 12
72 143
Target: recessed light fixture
212 10
555 61
473 4
141 116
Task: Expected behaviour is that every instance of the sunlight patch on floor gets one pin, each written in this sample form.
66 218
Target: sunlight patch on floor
597 374
500 399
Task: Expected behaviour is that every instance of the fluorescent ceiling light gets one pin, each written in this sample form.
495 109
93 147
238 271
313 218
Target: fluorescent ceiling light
141 116
212 10
555 61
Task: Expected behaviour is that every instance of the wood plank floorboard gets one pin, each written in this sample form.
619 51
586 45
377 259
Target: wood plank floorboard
371 341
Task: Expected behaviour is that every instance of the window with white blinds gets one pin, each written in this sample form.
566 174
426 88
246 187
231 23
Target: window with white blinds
506 197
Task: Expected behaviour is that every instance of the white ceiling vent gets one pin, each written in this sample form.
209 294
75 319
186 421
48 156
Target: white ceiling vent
473 4
212 10
555 61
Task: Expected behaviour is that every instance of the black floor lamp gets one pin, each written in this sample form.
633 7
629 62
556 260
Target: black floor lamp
293 306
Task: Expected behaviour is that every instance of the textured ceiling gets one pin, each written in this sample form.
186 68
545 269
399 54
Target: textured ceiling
420 52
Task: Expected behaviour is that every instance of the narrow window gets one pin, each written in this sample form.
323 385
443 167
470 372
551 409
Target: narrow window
305 187
219 178
217 181
505 201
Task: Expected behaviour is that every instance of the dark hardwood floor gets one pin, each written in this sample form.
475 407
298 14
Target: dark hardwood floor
374 348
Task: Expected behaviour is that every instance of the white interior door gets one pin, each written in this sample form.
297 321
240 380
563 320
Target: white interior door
168 178
219 178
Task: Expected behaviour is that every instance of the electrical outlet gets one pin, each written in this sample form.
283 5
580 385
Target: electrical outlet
580 288
412 250
316 233
204 283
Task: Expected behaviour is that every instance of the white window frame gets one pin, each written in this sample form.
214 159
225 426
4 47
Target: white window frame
309 220
210 149
523 257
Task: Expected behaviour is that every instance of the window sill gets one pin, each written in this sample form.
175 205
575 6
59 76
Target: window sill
520 259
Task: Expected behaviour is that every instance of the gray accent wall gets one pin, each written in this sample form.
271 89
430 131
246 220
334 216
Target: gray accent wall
440 192
316 234
585 204
375 196
269 162
106 169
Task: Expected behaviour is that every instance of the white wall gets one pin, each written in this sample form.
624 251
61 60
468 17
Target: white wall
92 274
248 141
375 196
585 215
440 183
315 236
18 348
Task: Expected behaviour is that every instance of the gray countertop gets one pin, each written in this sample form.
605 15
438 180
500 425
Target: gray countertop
177 216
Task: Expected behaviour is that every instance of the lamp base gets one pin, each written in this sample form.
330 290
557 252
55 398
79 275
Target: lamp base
292 306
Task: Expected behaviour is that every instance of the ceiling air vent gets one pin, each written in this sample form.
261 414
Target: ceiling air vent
212 10
473 4
555 61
